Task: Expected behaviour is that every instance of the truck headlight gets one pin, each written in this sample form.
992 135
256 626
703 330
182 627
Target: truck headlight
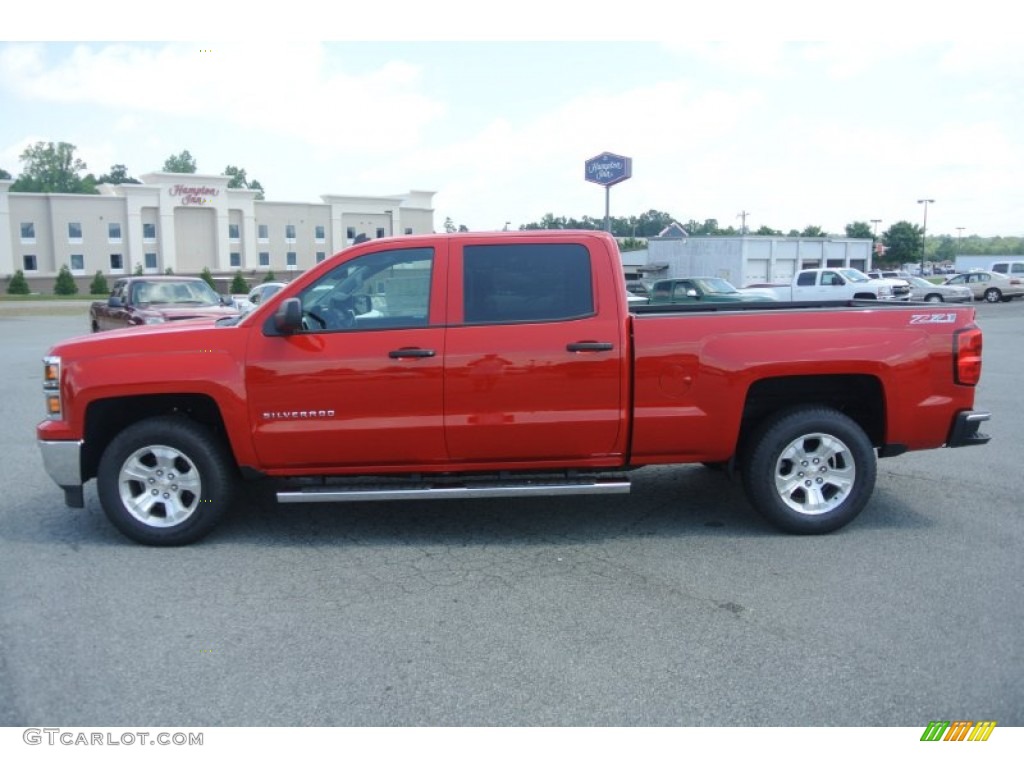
51 387
884 290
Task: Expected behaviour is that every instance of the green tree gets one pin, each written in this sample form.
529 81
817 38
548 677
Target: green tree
4 174
945 249
168 271
449 225
208 277
65 285
183 163
98 286
903 243
239 284
138 268
859 229
118 174
17 285
239 181
813 230
269 277
764 230
52 167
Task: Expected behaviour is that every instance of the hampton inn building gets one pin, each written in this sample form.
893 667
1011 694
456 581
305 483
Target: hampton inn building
185 222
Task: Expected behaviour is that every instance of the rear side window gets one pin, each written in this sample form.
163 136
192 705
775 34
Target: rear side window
806 278
526 283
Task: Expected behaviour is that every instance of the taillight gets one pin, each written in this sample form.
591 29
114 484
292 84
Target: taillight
967 356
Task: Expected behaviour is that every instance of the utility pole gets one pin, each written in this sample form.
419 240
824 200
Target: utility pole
924 231
742 215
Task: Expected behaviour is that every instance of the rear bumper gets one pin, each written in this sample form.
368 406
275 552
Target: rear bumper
965 429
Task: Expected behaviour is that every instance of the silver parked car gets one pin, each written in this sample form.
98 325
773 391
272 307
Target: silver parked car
990 286
922 290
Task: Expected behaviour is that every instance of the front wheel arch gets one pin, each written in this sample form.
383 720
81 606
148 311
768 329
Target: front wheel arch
809 469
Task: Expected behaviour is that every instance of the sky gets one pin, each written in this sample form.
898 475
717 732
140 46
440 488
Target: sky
721 114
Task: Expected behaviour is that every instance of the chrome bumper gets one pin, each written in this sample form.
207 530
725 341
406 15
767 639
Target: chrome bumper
62 460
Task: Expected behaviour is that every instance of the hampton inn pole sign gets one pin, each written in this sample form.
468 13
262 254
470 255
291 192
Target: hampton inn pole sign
607 170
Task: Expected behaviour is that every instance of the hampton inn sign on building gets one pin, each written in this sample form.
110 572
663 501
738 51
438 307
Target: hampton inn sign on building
188 222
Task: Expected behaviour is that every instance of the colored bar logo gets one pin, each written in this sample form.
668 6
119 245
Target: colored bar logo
958 730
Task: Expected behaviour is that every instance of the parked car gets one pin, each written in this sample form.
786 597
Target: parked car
634 300
260 293
922 290
990 286
687 290
150 300
889 274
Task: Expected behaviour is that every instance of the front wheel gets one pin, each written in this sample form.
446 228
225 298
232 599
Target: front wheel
165 481
933 297
992 295
809 470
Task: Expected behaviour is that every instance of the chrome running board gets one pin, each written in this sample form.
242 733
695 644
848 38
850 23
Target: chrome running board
457 488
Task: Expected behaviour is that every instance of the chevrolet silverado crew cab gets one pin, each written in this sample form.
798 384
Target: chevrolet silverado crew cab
478 365
837 284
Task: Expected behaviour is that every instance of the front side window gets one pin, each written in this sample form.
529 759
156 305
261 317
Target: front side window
388 289
526 283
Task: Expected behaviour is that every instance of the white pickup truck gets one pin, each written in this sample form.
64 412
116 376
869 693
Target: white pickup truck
835 284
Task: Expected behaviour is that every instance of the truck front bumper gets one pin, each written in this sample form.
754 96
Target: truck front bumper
62 460
965 429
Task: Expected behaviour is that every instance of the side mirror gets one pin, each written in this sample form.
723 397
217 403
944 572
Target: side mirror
288 318
691 293
226 300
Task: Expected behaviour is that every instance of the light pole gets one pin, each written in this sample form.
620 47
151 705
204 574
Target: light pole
924 231
959 237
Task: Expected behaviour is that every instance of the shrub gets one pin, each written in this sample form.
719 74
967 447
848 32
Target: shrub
269 278
239 284
98 286
65 285
17 285
208 277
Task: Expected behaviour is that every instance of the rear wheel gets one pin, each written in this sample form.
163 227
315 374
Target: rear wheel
933 297
809 470
165 481
992 295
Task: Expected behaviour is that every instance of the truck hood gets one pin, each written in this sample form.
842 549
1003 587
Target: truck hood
192 334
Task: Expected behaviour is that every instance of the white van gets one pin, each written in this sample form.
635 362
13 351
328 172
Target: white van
1012 268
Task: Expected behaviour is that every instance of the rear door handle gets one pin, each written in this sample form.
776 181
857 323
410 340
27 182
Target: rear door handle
394 354
590 346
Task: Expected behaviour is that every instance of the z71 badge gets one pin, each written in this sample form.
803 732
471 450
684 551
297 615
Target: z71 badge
934 317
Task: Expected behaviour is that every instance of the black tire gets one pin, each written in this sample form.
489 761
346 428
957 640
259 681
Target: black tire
837 457
992 295
933 297
165 481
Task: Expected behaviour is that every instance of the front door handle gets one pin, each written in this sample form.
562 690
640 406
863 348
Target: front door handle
590 346
394 354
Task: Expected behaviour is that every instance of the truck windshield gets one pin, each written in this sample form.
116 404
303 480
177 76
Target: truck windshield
854 275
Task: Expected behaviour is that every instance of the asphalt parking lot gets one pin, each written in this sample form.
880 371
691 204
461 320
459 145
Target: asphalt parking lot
674 606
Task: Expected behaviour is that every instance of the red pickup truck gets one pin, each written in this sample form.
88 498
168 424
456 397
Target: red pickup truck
500 364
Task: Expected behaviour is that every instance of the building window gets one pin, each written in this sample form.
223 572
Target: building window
29 262
289 233
263 233
318 233
74 231
264 258
236 259
150 261
233 233
408 230
350 233
77 262
320 256
149 232
380 231
291 261
28 232
114 232
116 262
